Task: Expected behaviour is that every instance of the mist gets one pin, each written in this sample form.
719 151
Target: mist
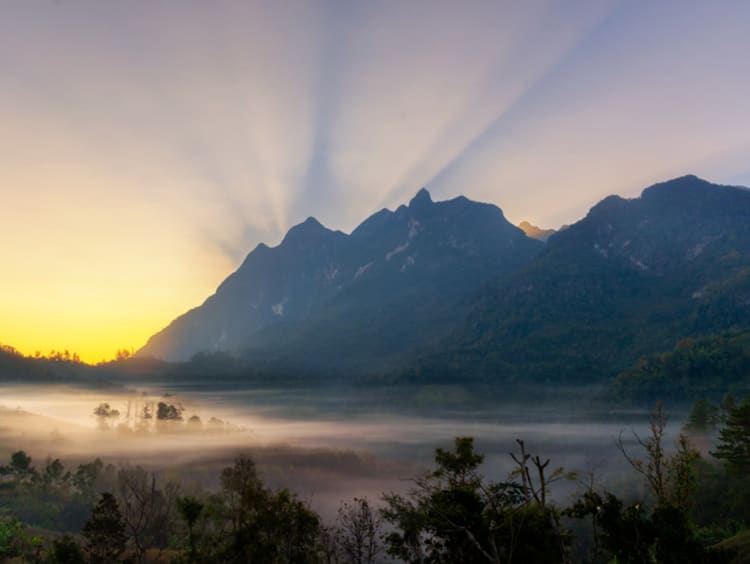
326 445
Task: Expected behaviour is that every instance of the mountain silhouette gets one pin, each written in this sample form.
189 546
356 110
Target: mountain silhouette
400 280
632 278
451 291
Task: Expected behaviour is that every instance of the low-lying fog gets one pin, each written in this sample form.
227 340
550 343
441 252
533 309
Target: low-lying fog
328 445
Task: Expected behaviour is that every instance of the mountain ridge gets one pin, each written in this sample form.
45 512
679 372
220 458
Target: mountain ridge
631 278
389 252
450 290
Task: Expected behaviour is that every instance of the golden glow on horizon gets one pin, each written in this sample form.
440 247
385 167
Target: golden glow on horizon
145 149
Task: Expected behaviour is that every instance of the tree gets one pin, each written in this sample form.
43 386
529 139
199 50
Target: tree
65 550
20 462
626 532
666 535
86 478
54 479
289 530
123 354
20 468
358 531
703 417
243 492
454 515
105 531
265 526
195 423
15 542
734 438
632 536
104 414
536 489
670 479
168 412
167 416
147 508
190 510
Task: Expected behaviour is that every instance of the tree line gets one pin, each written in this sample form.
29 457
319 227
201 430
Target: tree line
694 509
146 415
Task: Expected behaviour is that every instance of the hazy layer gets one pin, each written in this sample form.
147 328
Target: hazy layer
326 445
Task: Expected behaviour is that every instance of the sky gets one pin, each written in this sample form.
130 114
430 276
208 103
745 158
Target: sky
147 146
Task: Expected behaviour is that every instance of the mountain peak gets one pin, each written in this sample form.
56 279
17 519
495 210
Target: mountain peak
686 183
421 199
313 223
535 232
302 231
693 192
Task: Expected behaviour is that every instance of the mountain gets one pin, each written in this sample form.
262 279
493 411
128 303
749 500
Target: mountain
536 232
327 301
630 279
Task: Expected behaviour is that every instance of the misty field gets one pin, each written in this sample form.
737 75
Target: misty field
327 445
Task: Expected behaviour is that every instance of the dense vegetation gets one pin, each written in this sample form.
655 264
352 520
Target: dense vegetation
630 279
55 367
66 368
694 509
695 369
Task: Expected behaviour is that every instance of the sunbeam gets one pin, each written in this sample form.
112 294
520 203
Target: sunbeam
155 144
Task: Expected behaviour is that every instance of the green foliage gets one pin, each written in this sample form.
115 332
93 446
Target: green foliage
190 510
265 526
66 550
105 531
454 515
722 504
633 536
451 514
703 417
15 542
460 465
734 439
86 478
629 280
20 463
696 369
670 479
627 534
52 498
736 548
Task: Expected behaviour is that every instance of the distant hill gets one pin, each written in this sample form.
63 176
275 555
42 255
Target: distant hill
21 370
536 232
631 278
328 301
